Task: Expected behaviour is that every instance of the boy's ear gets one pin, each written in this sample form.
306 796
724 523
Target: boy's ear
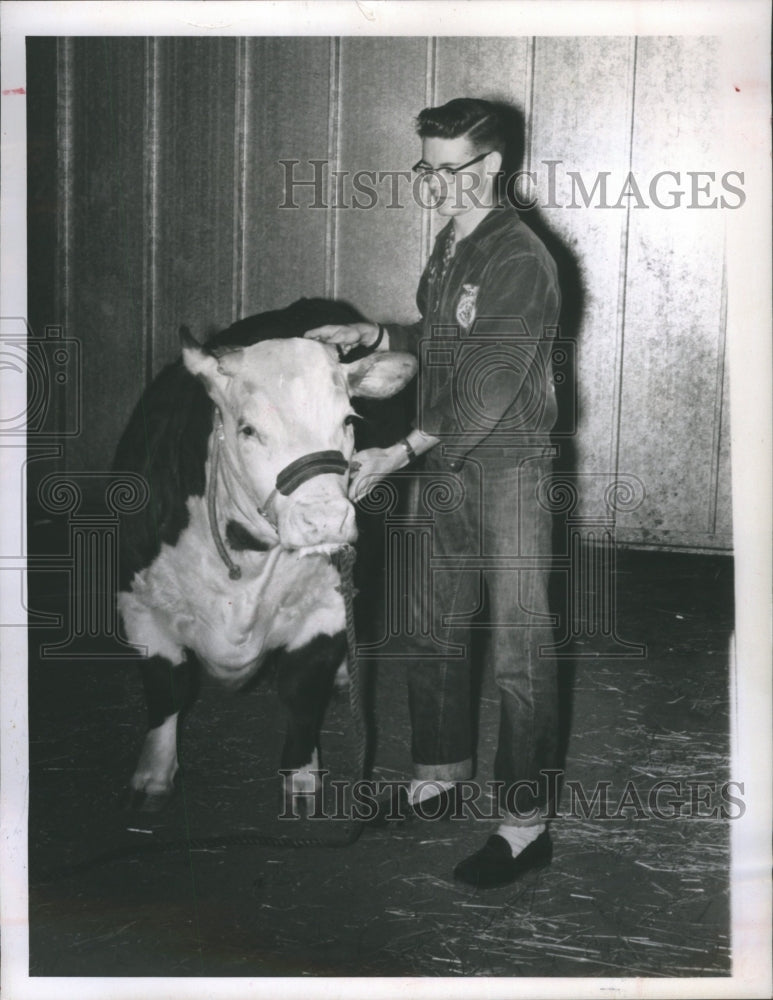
495 161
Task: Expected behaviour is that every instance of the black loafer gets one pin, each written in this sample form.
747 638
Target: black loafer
495 865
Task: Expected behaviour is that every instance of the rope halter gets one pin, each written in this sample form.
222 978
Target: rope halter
317 463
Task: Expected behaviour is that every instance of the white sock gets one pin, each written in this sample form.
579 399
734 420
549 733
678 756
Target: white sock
519 837
427 788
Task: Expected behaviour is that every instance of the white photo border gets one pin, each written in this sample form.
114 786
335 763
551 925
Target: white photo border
744 26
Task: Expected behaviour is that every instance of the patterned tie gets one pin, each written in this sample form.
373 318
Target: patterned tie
445 260
448 252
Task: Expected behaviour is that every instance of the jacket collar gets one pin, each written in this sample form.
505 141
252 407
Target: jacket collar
500 217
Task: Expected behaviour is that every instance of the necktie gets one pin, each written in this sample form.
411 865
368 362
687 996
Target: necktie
445 260
448 252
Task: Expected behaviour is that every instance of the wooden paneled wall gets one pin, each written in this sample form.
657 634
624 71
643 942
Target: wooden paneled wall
172 207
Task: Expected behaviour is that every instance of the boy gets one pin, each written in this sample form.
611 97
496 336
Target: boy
488 297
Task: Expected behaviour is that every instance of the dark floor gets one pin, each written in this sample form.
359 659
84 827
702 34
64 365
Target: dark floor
628 896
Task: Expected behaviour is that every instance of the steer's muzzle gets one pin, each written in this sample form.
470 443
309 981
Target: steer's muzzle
317 520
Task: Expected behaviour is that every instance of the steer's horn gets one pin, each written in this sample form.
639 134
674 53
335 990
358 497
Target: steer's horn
196 360
186 338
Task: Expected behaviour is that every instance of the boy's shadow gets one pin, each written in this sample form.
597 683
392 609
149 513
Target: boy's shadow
563 436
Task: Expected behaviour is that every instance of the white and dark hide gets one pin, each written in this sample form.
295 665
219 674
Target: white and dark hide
245 444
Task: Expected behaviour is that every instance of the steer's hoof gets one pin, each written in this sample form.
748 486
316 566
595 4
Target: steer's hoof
302 807
141 801
341 680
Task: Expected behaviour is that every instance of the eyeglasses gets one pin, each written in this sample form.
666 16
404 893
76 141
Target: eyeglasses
424 170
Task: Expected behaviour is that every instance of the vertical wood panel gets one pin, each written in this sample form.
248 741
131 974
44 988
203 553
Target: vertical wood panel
105 237
429 220
151 139
65 77
289 96
42 195
243 81
334 155
44 305
722 528
581 117
170 186
197 174
673 338
379 248
491 68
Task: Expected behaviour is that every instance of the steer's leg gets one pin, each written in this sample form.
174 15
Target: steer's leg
341 680
305 681
170 689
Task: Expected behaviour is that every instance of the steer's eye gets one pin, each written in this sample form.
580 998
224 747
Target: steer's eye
248 430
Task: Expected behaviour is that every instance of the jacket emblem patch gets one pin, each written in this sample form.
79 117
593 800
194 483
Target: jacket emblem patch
465 307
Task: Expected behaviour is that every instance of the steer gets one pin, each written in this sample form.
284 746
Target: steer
247 452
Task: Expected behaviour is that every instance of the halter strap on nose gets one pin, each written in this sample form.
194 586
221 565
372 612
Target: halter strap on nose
317 463
302 469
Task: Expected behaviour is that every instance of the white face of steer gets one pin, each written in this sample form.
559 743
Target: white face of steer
281 400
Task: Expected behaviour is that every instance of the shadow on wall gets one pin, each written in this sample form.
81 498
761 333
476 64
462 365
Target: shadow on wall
570 320
569 278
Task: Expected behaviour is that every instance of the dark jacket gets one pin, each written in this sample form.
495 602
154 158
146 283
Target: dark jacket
485 339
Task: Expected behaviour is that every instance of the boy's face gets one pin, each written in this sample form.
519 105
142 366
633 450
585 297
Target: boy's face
451 194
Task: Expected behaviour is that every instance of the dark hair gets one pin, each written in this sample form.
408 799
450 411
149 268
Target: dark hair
479 121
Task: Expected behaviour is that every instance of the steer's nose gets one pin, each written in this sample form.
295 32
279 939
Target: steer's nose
319 523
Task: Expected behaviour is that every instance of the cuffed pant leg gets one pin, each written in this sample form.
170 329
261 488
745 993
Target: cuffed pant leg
439 702
439 685
525 674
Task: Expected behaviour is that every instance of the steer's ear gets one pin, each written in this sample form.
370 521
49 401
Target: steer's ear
199 362
380 375
229 359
